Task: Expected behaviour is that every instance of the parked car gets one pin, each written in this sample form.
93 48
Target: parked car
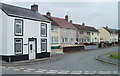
108 43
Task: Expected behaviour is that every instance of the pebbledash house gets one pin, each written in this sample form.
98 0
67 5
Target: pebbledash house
24 33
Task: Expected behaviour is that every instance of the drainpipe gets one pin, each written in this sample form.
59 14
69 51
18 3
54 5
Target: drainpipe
9 59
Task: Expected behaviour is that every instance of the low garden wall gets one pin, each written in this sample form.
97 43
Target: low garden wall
73 49
90 47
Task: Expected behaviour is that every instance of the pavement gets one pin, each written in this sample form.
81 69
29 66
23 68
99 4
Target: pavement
106 59
55 55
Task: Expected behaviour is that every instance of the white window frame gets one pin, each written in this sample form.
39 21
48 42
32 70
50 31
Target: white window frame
21 41
18 24
54 40
72 41
53 29
44 26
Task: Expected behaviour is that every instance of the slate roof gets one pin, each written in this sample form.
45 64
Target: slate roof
85 28
15 11
111 30
60 22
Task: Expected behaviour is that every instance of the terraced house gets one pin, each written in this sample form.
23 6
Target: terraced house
63 32
108 34
24 33
86 34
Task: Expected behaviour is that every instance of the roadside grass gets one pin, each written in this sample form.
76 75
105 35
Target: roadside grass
115 55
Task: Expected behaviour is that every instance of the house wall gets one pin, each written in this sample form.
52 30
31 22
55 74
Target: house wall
56 34
83 36
3 33
0 31
114 37
104 35
31 29
95 37
67 33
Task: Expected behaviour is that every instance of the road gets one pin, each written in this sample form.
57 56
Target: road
76 62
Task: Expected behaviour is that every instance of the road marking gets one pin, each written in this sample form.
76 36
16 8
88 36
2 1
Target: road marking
21 68
31 69
51 72
63 72
16 69
40 71
27 71
104 72
11 67
89 72
76 72
115 72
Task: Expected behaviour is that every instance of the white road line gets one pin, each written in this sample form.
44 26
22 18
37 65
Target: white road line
76 72
30 69
104 72
16 69
40 71
27 71
11 67
21 68
89 72
51 72
63 72
115 72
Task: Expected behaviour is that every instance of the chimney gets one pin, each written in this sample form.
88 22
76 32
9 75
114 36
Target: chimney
66 18
34 8
48 14
106 26
71 21
83 24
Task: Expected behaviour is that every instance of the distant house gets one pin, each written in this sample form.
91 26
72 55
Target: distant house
24 33
62 31
108 34
86 34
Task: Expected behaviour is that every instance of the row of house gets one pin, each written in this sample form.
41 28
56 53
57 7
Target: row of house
65 33
26 34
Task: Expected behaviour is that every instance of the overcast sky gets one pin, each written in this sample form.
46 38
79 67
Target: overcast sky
95 14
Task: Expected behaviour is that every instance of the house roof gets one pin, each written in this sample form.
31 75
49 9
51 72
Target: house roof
60 22
111 30
85 28
15 11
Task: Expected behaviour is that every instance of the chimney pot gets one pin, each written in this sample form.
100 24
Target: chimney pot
34 8
83 23
66 18
48 14
71 21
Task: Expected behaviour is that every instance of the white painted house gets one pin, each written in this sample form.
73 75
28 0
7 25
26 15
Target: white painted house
24 33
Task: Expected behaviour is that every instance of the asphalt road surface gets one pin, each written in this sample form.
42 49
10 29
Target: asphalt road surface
75 63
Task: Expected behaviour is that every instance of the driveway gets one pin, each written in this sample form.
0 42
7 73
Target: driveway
75 62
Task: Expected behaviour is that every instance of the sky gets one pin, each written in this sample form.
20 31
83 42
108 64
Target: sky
96 14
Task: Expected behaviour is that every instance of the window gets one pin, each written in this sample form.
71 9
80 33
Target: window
18 27
72 40
18 46
64 40
54 40
43 29
54 29
81 32
43 45
88 33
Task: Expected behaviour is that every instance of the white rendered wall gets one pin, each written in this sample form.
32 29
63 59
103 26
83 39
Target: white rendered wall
0 32
3 25
31 29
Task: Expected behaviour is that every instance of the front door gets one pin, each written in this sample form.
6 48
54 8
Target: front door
32 50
